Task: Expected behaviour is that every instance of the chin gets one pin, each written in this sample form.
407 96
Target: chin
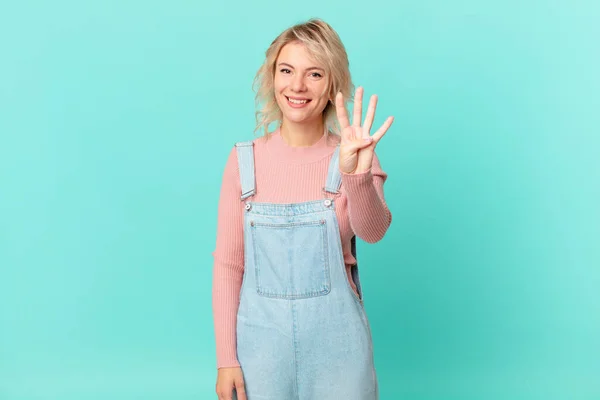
298 119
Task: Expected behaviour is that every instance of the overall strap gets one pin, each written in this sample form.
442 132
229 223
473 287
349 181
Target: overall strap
245 154
334 176
334 181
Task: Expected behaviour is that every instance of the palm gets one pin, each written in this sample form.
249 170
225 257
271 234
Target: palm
351 160
357 145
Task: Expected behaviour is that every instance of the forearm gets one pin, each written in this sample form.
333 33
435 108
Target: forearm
369 215
227 281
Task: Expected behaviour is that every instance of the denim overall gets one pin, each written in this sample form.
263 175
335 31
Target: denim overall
302 332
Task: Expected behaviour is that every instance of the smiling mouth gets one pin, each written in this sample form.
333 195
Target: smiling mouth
297 101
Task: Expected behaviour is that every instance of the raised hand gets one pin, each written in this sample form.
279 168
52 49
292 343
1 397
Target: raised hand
357 145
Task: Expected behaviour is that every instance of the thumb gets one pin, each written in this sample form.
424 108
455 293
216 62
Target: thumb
364 142
358 144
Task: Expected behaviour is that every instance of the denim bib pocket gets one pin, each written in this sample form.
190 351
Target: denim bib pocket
291 258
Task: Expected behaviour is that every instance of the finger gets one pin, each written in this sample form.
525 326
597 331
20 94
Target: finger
382 130
366 142
370 115
225 394
358 144
240 390
340 110
357 116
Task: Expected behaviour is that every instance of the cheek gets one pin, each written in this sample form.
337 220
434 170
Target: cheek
279 97
321 91
277 89
279 83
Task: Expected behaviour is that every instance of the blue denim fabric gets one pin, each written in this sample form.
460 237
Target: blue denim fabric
302 332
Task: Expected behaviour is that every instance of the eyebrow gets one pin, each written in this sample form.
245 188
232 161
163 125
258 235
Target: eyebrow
308 69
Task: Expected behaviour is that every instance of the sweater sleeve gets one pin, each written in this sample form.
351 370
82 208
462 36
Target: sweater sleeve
228 268
369 215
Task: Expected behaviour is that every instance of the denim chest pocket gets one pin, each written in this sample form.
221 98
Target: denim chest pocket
291 259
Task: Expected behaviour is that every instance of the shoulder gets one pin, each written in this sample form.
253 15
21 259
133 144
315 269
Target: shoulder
238 148
257 142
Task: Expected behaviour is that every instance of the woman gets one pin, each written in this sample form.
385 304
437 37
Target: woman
288 313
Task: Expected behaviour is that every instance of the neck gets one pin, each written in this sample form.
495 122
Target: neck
302 135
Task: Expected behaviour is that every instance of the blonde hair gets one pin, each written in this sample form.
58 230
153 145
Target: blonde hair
326 47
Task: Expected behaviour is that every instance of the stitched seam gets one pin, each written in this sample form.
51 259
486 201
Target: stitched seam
295 344
289 224
326 282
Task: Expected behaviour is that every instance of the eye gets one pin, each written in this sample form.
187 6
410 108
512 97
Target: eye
285 70
316 75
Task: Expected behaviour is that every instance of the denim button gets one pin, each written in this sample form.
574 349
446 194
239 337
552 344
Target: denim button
327 203
248 207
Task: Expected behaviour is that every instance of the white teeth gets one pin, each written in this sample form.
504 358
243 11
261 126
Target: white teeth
297 101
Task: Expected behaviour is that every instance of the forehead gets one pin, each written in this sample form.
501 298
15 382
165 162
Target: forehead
298 56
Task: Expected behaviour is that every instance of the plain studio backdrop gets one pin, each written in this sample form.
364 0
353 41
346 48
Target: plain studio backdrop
116 119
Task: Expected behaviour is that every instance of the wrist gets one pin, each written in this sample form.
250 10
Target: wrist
357 171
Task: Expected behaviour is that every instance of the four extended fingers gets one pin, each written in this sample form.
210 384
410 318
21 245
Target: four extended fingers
342 115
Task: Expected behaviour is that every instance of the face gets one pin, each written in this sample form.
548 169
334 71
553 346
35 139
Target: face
300 85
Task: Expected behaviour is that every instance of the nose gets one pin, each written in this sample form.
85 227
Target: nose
298 84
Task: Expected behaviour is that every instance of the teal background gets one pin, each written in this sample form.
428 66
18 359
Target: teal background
116 118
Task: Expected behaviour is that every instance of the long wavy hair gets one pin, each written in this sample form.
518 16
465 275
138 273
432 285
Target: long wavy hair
326 47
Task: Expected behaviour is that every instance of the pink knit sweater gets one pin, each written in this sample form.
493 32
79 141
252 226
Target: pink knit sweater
286 174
